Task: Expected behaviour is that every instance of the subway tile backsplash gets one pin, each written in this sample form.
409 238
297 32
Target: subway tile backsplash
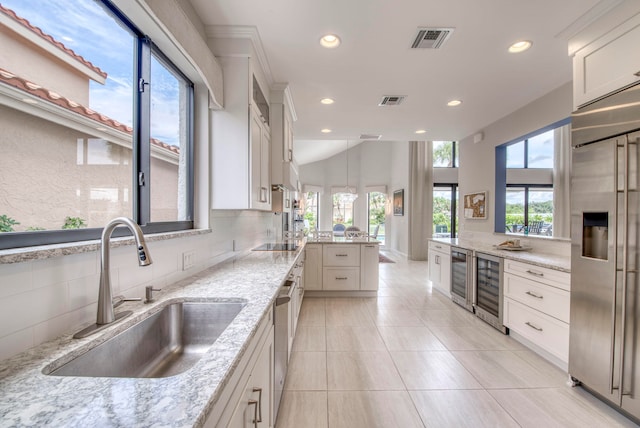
42 299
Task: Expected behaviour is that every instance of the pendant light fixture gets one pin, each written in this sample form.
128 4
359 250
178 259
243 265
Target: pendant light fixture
348 189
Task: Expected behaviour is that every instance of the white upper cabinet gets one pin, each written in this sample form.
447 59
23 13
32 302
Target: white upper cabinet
284 169
608 62
241 148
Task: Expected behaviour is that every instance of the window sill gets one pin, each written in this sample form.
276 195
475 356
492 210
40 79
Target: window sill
20 255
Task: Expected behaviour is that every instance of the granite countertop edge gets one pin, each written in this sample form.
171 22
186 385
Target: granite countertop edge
30 398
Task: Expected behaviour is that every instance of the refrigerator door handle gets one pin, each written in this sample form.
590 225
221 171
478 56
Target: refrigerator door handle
625 272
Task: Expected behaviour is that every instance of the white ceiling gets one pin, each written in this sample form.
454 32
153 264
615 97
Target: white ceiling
375 59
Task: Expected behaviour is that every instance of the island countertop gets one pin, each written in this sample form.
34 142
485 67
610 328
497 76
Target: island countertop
30 398
537 258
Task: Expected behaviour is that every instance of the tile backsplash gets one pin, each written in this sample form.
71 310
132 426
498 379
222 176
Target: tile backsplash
42 299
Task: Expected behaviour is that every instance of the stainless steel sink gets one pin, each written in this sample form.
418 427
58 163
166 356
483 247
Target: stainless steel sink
165 344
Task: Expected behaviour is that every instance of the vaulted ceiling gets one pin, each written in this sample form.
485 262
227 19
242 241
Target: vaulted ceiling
375 59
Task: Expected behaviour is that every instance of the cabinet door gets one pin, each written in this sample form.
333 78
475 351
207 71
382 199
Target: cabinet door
313 267
369 274
256 405
265 168
445 273
434 268
341 278
341 255
259 180
607 64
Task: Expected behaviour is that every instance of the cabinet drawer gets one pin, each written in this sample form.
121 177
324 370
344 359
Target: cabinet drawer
549 300
547 276
341 255
546 332
341 278
440 247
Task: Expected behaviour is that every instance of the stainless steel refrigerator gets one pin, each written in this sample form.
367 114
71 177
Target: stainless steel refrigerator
604 354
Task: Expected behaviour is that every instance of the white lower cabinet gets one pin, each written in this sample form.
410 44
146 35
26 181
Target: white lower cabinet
313 267
247 399
537 306
440 267
341 267
369 264
256 404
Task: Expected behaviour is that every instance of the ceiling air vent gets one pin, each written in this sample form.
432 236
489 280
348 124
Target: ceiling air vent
370 136
431 38
391 100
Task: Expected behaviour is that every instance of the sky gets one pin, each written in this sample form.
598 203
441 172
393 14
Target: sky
86 28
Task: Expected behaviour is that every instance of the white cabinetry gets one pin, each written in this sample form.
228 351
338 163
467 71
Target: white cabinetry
608 63
284 169
440 267
247 399
369 264
313 267
341 267
241 149
537 306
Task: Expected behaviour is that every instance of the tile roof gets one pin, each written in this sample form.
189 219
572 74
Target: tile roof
57 99
24 22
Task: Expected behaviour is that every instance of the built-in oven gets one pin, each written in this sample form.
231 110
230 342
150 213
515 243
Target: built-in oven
488 301
462 277
281 320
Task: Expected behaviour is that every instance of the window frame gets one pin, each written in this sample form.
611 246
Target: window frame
501 174
526 188
454 188
141 153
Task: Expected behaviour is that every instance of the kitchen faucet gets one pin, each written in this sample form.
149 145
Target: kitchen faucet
106 315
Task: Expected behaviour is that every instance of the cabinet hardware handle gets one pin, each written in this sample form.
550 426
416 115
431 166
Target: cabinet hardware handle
263 194
533 326
533 272
341 278
259 391
290 155
532 294
637 73
438 246
255 412
341 255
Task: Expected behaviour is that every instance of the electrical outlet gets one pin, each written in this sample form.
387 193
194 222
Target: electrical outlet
188 259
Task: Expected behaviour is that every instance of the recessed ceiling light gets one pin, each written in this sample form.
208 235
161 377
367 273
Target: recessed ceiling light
421 131
327 101
29 101
325 130
330 41
454 103
520 46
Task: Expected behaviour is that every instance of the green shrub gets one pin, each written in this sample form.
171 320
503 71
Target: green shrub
74 223
7 223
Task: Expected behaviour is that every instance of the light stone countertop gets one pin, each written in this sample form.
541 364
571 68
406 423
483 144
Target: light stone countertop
30 398
537 258
342 240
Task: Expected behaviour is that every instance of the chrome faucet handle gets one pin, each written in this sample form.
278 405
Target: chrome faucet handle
148 292
118 300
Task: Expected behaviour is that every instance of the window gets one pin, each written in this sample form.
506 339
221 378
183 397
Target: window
376 208
525 182
100 128
310 215
533 152
343 208
445 212
445 154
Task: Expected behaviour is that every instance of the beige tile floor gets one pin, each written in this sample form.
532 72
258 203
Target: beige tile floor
411 358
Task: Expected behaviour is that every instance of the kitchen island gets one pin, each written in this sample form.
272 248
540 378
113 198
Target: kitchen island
30 398
342 267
